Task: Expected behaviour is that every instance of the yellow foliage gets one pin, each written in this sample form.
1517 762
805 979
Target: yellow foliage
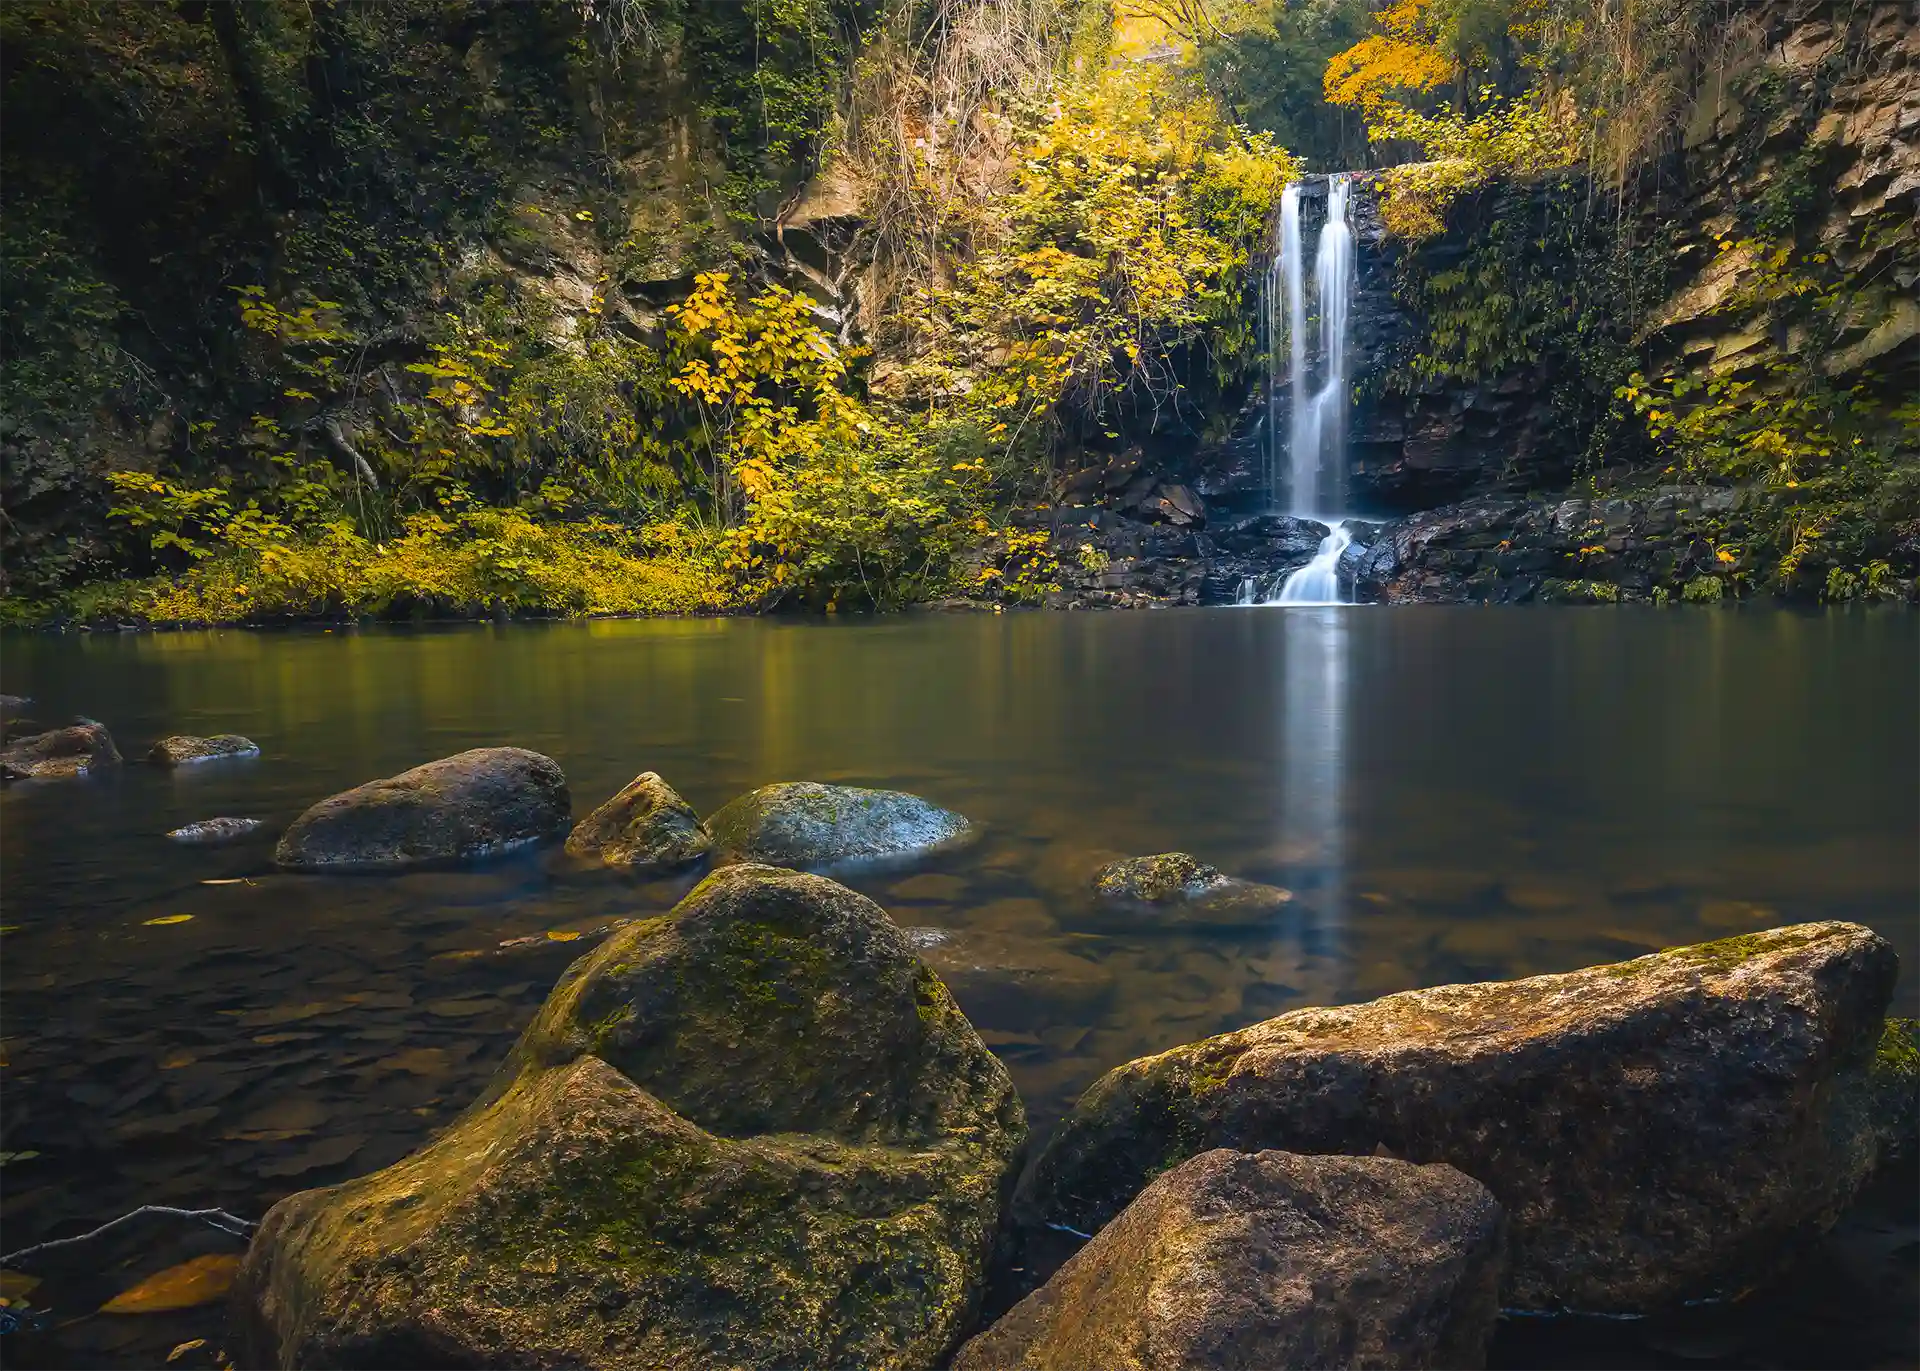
1404 58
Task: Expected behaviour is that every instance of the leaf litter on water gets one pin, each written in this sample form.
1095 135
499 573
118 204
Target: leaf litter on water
199 1281
166 919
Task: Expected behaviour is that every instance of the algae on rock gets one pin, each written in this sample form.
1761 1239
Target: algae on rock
755 1133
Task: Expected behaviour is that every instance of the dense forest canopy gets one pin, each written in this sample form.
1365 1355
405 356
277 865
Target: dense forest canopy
428 306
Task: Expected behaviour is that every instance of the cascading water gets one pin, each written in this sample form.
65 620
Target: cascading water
1316 465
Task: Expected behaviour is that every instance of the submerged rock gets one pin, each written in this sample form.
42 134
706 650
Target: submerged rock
475 804
1270 1260
806 824
1174 888
1896 1089
754 1133
1657 1130
78 750
13 706
223 830
184 749
646 827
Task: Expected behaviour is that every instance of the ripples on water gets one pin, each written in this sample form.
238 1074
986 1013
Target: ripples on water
1451 794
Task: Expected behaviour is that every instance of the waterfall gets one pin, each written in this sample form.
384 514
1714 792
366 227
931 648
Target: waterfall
1316 457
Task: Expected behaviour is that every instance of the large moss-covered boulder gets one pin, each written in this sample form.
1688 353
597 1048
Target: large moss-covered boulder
475 804
806 824
1267 1260
184 749
647 827
1658 1129
755 1132
79 750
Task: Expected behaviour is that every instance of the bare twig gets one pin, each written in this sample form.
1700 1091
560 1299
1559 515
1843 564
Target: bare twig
230 1224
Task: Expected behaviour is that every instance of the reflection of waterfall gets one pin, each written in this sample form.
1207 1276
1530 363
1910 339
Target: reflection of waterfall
1316 465
1313 765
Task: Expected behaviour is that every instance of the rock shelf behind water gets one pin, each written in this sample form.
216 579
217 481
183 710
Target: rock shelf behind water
475 804
1657 1130
1265 1260
753 1133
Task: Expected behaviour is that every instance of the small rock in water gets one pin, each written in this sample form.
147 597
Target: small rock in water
183 749
222 830
1173 883
646 827
79 750
1269 1260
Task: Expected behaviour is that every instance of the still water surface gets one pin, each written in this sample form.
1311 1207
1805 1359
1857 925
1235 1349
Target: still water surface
1451 794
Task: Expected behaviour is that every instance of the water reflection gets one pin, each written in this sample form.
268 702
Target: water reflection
1312 728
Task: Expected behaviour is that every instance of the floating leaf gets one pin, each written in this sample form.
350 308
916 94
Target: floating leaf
184 1348
224 880
17 1285
562 935
200 1281
167 919
6 1157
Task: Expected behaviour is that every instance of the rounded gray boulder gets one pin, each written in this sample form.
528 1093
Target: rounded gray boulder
183 749
806 824
646 827
476 804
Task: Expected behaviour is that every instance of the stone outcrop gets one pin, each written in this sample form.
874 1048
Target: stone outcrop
1664 544
646 827
1267 1259
475 804
1174 889
1656 1130
754 1133
185 750
81 749
806 824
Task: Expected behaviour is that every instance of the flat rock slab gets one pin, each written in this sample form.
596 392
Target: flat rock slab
475 804
1252 1261
184 749
753 1133
1657 1130
79 750
807 824
647 827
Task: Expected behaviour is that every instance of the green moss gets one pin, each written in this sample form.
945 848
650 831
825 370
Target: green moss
1722 954
1898 1056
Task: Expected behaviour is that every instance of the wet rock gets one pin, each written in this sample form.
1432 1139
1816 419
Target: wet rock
1658 1129
646 827
1270 1260
222 830
475 804
13 706
1896 1089
79 750
806 824
1174 889
754 1133
184 750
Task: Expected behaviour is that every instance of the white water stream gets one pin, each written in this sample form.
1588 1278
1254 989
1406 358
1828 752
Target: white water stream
1315 470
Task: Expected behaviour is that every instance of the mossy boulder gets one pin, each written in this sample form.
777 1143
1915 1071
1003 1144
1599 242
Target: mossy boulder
753 1133
79 750
475 804
210 831
1896 1089
184 750
806 824
1268 1259
1173 889
1657 1130
647 827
